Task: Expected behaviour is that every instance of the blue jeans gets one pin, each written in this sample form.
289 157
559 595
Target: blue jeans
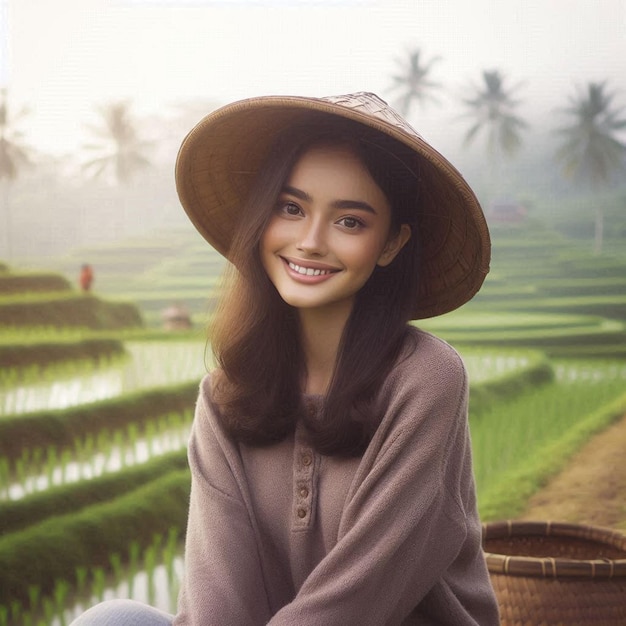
123 613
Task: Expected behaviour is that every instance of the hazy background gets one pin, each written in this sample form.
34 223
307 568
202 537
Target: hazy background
175 61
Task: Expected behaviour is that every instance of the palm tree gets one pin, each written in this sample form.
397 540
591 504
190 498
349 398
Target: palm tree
120 150
14 155
119 154
591 150
414 81
492 108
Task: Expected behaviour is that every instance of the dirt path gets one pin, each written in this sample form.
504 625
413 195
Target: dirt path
592 488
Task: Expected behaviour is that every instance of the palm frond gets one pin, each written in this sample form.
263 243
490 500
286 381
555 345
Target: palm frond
491 106
414 81
591 149
122 151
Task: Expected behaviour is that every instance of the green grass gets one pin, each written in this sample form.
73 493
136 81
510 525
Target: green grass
68 498
519 443
53 549
60 428
71 309
24 362
507 496
20 282
554 333
478 320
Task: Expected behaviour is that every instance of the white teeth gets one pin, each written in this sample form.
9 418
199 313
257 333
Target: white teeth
307 271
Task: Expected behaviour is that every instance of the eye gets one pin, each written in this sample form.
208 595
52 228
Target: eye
351 223
290 208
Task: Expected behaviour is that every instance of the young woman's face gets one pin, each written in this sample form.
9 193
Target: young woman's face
329 230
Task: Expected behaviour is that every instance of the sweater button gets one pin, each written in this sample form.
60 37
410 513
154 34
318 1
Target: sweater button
301 513
307 459
304 492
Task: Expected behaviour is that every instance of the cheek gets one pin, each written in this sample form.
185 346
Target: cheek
367 253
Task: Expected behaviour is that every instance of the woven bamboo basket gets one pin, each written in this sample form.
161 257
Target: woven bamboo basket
549 573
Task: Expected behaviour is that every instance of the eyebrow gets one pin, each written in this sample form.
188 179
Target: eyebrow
337 204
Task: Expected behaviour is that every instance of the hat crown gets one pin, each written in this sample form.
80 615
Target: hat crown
373 106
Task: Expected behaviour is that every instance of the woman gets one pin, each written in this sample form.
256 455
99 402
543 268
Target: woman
330 453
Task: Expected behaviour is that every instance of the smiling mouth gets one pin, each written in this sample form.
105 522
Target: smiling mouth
309 271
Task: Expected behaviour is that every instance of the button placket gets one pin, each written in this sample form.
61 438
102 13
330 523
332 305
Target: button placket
304 472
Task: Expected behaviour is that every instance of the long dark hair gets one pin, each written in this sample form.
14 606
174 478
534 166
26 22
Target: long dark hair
255 334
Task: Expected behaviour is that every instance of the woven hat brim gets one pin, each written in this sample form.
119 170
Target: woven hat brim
220 157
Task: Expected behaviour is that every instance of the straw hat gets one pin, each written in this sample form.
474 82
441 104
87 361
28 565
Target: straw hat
218 160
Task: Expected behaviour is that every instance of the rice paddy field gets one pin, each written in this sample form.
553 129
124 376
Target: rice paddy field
96 402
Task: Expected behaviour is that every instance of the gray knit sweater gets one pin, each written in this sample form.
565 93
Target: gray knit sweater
282 535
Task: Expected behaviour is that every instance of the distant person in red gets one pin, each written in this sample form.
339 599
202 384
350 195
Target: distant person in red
86 277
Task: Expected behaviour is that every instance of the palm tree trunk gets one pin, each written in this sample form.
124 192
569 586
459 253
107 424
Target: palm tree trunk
599 230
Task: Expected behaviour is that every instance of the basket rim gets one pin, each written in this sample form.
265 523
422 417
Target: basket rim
548 567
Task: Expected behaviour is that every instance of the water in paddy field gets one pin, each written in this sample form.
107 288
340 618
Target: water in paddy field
485 366
568 372
117 456
155 364
156 584
151 364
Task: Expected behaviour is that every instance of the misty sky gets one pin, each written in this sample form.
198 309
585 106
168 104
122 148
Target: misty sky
64 57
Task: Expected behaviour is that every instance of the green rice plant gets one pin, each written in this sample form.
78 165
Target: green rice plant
133 433
16 612
34 597
151 436
116 564
63 499
53 371
61 427
84 450
49 611
21 472
67 458
113 456
37 458
153 364
134 552
508 497
117 443
154 561
99 583
52 462
81 579
29 357
61 592
73 309
508 385
52 549
5 477
170 551
150 563
510 437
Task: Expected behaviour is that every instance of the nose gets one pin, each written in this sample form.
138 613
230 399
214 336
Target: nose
312 238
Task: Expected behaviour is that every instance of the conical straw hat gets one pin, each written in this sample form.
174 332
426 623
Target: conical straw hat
219 158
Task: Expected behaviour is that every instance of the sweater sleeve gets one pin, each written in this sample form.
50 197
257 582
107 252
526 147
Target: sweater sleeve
404 524
223 582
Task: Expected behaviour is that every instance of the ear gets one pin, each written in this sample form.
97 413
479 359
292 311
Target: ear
394 245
